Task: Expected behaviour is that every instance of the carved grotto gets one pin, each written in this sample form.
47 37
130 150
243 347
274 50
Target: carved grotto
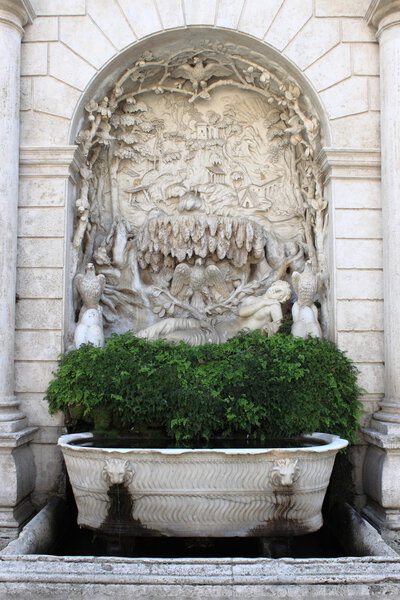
200 191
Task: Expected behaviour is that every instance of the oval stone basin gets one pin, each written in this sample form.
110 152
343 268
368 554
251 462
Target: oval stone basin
207 492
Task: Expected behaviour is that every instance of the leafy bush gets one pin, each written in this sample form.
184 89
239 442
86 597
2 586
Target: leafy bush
251 385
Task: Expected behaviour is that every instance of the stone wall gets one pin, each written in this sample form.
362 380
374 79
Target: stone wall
71 47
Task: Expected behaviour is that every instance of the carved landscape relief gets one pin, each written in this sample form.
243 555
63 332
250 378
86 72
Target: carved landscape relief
199 199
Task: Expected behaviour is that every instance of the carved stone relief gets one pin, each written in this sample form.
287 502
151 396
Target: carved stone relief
200 191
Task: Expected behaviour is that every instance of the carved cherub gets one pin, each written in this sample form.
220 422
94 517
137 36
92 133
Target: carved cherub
198 284
198 74
265 312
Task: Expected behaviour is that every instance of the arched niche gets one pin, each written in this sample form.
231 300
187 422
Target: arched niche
199 189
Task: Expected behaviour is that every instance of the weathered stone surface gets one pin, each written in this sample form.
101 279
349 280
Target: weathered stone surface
171 13
37 345
367 223
315 39
374 93
256 18
143 17
59 7
359 284
66 66
41 129
40 283
39 314
86 40
50 479
332 67
364 130
200 13
33 376
40 252
362 346
291 17
382 464
365 59
34 59
40 534
347 97
26 97
357 30
371 376
54 97
41 222
357 315
110 19
53 578
357 193
40 191
362 254
341 8
37 410
228 13
43 29
16 462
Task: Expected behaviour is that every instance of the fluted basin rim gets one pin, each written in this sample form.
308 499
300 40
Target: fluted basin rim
332 443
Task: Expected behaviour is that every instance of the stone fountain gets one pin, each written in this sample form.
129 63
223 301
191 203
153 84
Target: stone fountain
200 215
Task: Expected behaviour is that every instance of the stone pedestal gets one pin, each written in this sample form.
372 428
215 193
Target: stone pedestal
382 462
16 461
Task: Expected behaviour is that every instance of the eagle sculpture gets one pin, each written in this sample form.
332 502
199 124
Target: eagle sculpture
305 285
199 285
198 74
90 286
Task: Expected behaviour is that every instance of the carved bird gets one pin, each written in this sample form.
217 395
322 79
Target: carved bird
198 284
295 128
198 74
90 286
305 285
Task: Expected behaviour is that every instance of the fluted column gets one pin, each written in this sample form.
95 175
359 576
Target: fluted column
16 460
386 17
382 463
13 15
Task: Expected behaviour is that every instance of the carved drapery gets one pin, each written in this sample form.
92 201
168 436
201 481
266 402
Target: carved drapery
200 190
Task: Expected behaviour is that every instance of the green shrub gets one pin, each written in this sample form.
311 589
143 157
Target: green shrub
250 385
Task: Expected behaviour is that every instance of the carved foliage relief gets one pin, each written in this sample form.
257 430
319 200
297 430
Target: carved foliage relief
200 190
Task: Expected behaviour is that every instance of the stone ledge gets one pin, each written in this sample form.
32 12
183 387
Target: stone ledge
382 440
50 577
17 438
52 156
349 157
57 577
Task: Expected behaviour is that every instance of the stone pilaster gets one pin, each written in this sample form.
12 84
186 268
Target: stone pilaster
16 462
382 463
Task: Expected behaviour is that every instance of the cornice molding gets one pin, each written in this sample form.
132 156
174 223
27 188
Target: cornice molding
22 9
60 161
382 9
350 162
16 13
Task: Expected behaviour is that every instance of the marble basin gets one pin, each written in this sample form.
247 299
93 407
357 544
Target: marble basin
200 492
